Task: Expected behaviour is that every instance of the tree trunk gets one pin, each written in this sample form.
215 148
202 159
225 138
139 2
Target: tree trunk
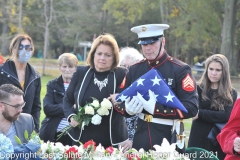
20 17
45 50
4 39
48 20
227 33
5 29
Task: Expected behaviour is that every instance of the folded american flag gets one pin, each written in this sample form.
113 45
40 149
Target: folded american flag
152 80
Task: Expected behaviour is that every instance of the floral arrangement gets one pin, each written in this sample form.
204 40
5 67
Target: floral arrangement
6 147
91 112
38 150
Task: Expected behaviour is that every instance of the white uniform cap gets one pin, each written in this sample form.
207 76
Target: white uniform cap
149 33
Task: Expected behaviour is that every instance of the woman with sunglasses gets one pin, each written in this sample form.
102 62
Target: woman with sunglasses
17 71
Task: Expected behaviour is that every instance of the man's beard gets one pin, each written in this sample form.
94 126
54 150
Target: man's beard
6 115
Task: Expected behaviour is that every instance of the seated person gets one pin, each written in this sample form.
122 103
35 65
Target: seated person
12 121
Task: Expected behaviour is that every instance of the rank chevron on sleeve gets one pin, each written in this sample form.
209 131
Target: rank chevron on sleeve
188 83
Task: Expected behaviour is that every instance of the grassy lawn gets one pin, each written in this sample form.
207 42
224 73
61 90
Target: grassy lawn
44 80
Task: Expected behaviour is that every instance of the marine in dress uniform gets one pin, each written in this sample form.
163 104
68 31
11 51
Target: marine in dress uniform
155 120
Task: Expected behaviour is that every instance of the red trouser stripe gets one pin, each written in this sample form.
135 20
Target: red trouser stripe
149 134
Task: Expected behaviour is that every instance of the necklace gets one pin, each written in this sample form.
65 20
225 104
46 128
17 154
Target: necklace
100 84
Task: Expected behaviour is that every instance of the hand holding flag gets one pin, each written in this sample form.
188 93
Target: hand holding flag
153 81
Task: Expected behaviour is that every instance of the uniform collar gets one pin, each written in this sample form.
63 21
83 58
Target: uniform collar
160 60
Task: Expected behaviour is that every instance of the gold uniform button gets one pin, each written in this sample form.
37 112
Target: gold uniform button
171 59
157 62
165 111
122 109
136 126
172 111
157 110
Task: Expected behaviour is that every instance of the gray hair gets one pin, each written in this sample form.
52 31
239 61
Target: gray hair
130 53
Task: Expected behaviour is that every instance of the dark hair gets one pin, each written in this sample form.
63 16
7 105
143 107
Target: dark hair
106 39
15 43
223 95
8 89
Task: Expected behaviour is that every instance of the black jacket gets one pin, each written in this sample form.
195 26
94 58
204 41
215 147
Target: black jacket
52 106
31 90
207 117
80 81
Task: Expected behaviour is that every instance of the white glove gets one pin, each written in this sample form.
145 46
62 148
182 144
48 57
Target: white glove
150 104
133 106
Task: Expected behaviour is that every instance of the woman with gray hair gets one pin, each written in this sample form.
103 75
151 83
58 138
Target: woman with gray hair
128 57
55 119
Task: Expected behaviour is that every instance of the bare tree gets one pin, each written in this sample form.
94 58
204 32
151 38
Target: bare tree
48 20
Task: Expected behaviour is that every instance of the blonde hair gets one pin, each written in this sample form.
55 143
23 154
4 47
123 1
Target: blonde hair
68 58
15 43
106 39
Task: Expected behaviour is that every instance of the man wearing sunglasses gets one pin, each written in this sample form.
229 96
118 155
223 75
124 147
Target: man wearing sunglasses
12 121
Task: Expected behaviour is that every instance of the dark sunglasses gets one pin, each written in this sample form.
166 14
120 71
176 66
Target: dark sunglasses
15 106
27 47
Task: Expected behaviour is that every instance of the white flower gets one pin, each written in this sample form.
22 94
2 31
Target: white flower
96 119
89 110
80 150
44 147
100 148
103 111
99 152
95 103
106 103
166 149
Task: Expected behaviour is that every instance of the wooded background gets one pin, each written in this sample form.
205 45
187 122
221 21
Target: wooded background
198 28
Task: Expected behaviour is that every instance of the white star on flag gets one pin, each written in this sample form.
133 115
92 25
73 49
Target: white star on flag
156 81
140 81
122 97
169 97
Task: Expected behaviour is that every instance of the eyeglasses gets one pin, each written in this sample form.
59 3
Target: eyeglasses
26 47
15 106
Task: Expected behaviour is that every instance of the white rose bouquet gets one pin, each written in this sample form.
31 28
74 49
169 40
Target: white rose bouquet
91 112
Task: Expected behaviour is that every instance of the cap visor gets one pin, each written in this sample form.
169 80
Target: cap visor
147 41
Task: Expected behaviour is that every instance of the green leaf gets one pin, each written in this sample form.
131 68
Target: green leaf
17 140
26 135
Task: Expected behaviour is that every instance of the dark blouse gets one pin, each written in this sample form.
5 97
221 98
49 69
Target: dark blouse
103 128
